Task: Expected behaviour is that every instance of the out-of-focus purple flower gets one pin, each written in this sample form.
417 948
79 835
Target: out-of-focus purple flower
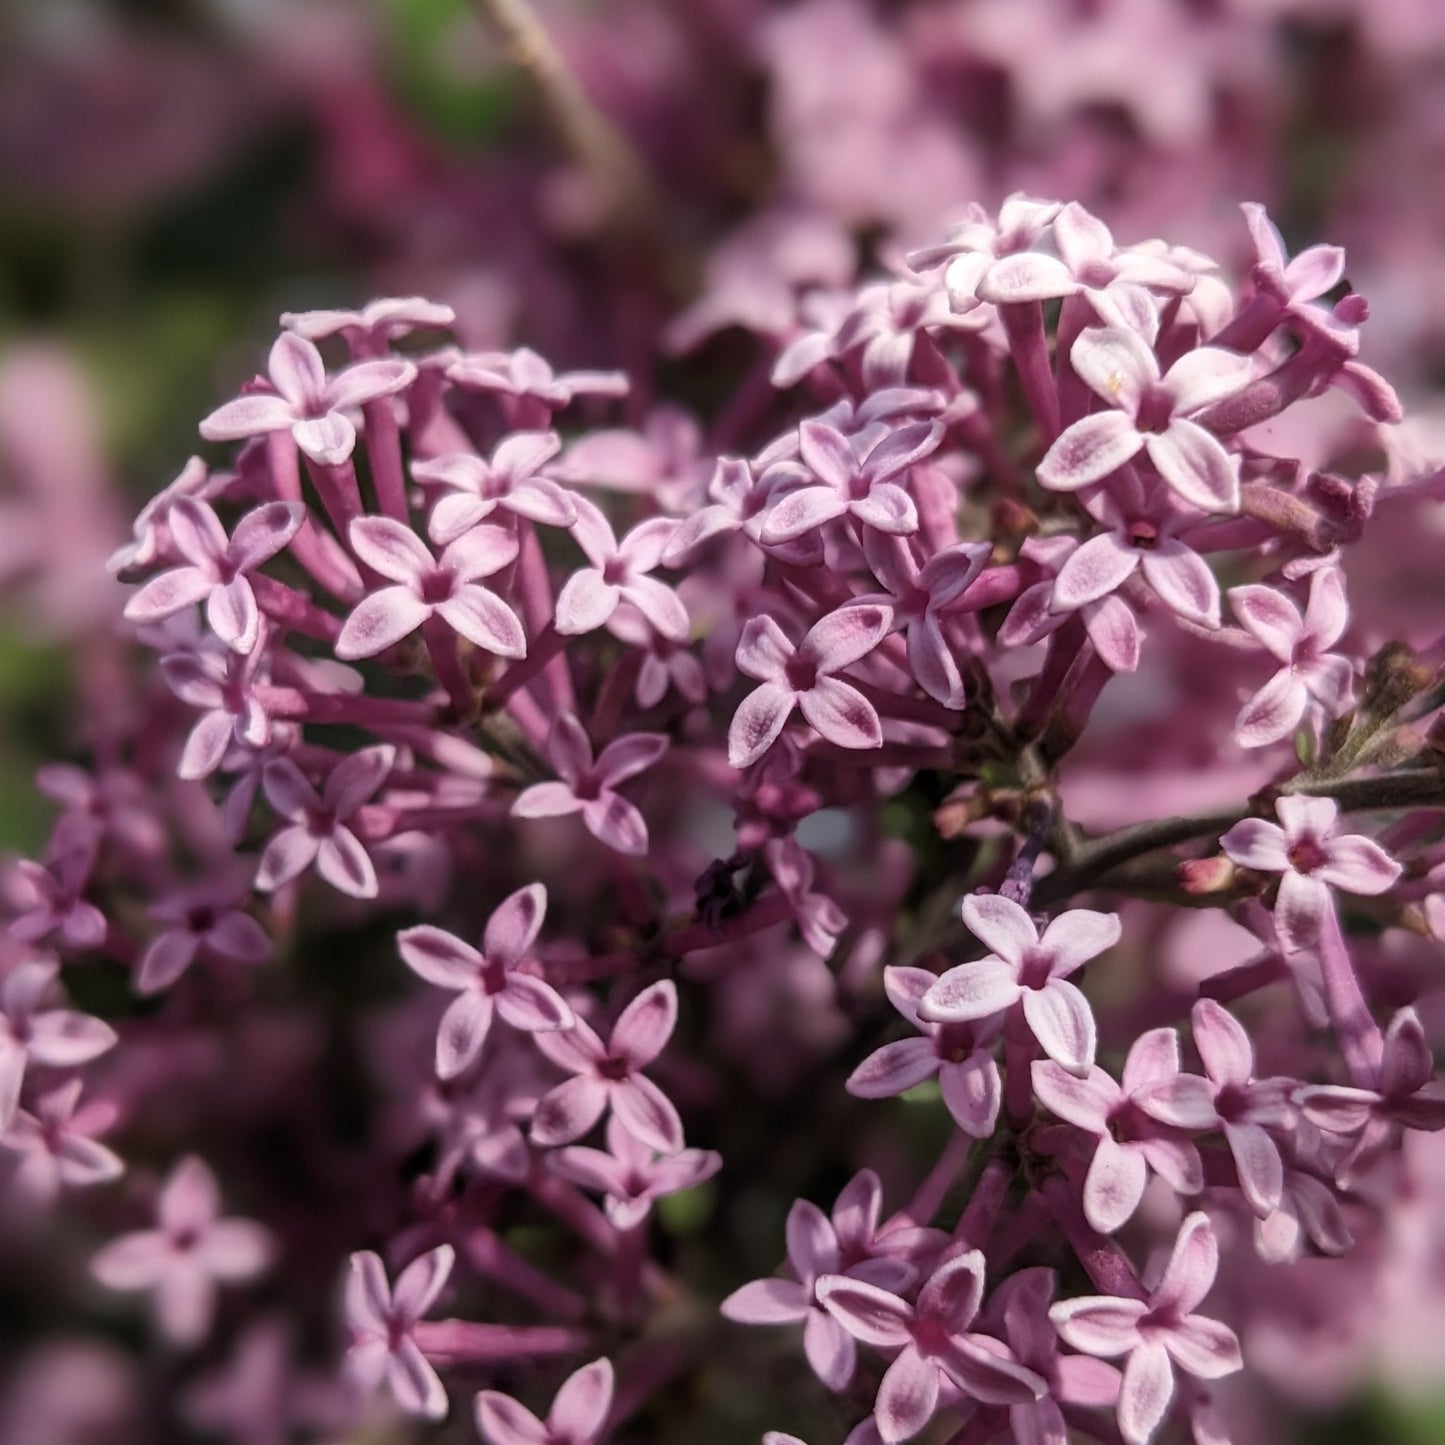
205 920
56 1144
382 1318
577 1417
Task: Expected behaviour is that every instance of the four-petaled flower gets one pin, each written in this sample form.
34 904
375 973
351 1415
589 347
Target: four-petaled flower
513 480
1312 858
1157 1333
382 1320
1150 413
487 982
205 920
56 1144
578 1414
305 402
187 1255
1027 971
803 677
444 586
611 1073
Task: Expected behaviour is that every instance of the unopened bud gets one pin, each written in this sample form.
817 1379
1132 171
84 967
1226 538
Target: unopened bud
1199 876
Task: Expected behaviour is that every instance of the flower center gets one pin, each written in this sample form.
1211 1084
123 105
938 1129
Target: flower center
801 672
1306 854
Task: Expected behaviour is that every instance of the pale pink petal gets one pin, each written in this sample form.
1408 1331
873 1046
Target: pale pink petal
585 602
1195 464
413 1383
1145 1394
758 722
971 991
1194 1262
1274 712
660 605
827 453
529 1004
286 856
907 1397
1114 1186
857 1210
1223 1044
502 1421
830 1350
1026 276
185 1304
248 416
577 1049
1183 580
1062 1021
388 547
64 1039
515 923
647 1114
1204 1348
484 619
868 1313
846 636
800 512
1186 1101
893 1069
380 621
357 778
933 664
236 1249
612 820
263 532
1327 613
439 957
954 1292
1358 865
991 1378
1305 816
812 1243
1099 1324
582 1403
628 756
1084 1101
297 370
546 800
1075 937
1261 1171
132 1262
368 380
328 440
569 1110
1001 925
166 958
645 1025
1407 1064
767 1302
1270 617
419 1284
239 936
1093 571
840 713
1114 631
462 1032
1300 910
1206 375
197 533
232 615
763 650
479 552
888 509
346 865
168 594
1254 843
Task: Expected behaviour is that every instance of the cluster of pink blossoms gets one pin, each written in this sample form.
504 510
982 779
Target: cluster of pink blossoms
452 702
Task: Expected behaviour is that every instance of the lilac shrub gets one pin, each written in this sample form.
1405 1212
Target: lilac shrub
452 693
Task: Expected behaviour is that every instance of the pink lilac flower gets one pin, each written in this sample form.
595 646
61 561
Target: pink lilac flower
205 921
917 596
856 476
590 787
1232 1099
514 481
804 677
150 533
31 1032
957 1053
305 402
223 686
819 918
188 1254
1159 1334
443 586
320 831
611 1075
378 323
488 982
46 898
217 568
1029 971
1312 858
930 1336
1295 285
619 572
1310 671
630 1175
522 373
577 1417
56 1144
819 1247
1130 1141
1149 412
382 1319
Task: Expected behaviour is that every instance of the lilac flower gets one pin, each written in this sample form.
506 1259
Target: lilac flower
302 400
630 1174
47 898
1150 413
930 1336
204 921
611 1074
852 476
577 1417
382 1320
150 533
958 1053
1310 670
1158 1334
1027 971
514 481
444 586
917 595
32 1033
739 503
1130 1141
187 1255
487 982
222 684
319 831
817 1248
1231 1099
803 677
522 373
1312 859
217 568
819 919
590 788
1295 284
370 330
619 572
56 1144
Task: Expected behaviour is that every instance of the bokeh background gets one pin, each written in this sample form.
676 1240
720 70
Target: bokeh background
176 173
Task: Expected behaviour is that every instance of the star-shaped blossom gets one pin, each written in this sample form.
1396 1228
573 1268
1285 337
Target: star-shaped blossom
56 1144
590 787
382 1320
33 1032
1230 1098
443 586
620 572
304 401
217 568
1159 1334
1027 971
223 685
930 1335
1311 859
577 1417
917 596
369 331
187 1255
1149 412
804 677
630 1175
957 1053
819 918
522 373
487 982
203 921
46 898
150 533
854 476
1309 671
1130 1141
820 1247
514 481
1296 284
320 830
611 1074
